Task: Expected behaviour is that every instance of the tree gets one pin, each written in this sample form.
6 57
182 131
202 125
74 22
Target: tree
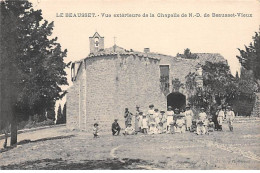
187 54
64 113
51 114
9 73
176 85
218 85
33 58
244 101
59 115
250 57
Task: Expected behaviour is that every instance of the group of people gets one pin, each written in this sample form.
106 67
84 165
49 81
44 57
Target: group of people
171 121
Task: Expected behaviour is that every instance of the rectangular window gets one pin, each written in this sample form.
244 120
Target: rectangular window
164 77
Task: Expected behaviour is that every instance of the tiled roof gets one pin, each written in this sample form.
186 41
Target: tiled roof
114 50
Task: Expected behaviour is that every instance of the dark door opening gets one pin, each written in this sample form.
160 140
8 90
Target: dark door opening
176 100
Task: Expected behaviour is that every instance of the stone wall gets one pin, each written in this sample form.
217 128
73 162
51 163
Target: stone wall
106 85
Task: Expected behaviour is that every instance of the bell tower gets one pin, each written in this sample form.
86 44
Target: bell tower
96 43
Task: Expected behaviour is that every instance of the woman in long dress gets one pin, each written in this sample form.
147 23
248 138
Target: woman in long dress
169 115
188 116
163 118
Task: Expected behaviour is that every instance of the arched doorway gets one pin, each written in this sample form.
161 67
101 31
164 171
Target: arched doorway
176 100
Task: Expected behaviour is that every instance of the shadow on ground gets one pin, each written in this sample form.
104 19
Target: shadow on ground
60 164
26 141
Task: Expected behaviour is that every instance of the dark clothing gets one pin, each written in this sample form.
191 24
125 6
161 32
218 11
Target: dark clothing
215 120
128 118
115 128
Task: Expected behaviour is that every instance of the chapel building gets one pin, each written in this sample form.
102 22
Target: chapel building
111 79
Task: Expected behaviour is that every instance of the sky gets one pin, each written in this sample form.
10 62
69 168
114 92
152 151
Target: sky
161 34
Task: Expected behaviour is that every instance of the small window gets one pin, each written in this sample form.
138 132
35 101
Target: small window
96 41
164 77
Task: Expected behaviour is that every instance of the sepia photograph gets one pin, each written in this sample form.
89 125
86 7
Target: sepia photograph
129 85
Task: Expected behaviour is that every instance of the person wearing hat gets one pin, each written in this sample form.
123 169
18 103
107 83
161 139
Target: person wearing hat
188 117
115 128
169 115
221 115
150 113
180 124
200 128
202 115
230 116
128 117
96 130
129 130
215 118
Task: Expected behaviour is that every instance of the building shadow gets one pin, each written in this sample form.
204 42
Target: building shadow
60 164
26 141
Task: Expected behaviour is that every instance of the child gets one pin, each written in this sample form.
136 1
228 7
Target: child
180 124
211 125
193 126
96 130
145 124
230 115
160 127
153 129
200 128
206 125
129 130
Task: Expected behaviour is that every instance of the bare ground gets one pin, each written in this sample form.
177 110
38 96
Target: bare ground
59 148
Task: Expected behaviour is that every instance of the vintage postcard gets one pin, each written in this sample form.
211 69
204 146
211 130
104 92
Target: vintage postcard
130 85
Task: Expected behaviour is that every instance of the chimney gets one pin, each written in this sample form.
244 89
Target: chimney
146 50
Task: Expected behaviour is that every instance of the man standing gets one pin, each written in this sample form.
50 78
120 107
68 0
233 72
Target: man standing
202 115
128 117
230 115
215 118
115 128
221 115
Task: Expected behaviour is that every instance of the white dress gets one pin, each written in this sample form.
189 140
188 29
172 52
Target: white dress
221 116
188 116
156 118
169 115
144 123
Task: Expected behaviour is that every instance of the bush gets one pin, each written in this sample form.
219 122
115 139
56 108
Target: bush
33 124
